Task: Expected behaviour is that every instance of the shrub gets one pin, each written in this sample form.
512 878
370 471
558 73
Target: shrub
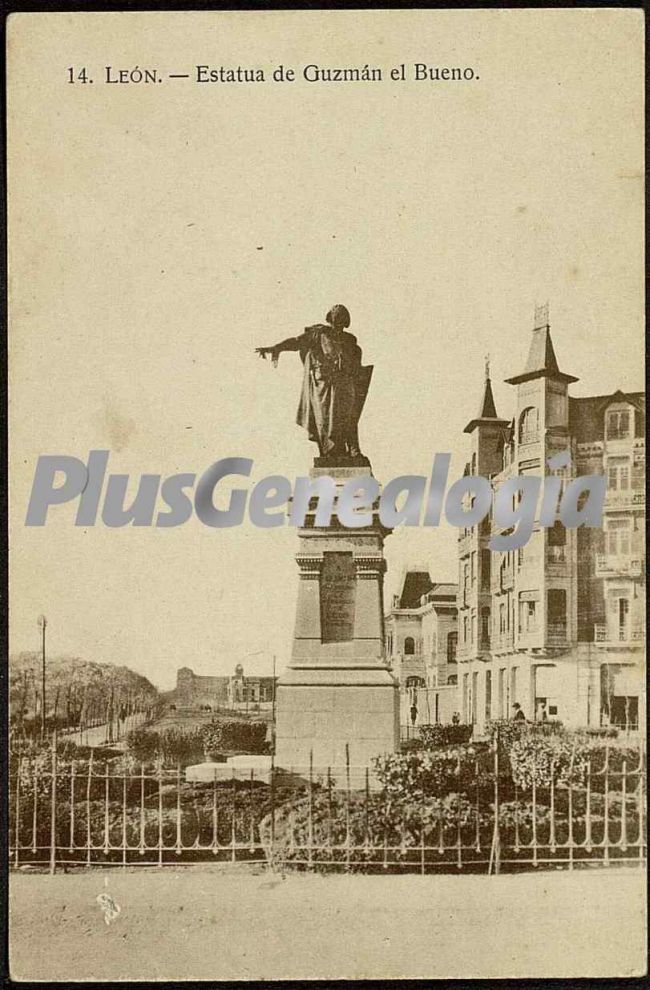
538 759
602 731
433 736
171 746
364 829
234 736
433 773
411 745
508 731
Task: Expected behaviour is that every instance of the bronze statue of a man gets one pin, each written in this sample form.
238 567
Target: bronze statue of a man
334 389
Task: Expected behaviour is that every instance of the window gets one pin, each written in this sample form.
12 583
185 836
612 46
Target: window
618 537
452 647
502 692
488 695
465 629
474 695
473 626
618 423
618 474
465 581
623 619
527 614
557 535
502 618
528 425
485 569
473 569
556 610
409 646
513 685
485 628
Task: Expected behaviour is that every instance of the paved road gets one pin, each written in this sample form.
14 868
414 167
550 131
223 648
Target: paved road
202 923
98 736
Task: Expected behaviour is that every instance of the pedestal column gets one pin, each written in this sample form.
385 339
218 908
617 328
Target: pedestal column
337 690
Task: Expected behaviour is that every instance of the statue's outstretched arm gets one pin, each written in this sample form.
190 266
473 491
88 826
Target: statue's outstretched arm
290 344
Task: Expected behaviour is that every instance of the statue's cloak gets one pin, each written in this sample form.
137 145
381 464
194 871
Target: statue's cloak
334 386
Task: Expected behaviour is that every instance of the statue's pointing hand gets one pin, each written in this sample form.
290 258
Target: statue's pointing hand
264 351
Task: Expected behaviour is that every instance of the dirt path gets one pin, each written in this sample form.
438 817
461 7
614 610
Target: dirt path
207 923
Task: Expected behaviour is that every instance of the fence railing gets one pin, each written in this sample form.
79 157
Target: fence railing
344 817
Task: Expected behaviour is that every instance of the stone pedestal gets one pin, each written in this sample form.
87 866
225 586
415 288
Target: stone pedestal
338 689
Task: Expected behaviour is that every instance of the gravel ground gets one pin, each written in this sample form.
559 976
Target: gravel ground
212 923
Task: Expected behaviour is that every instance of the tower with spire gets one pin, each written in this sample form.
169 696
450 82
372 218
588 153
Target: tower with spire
542 409
487 431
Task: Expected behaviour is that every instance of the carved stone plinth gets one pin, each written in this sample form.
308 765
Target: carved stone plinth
338 690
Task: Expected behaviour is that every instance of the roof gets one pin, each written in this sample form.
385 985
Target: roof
541 359
487 410
444 591
417 583
586 414
414 585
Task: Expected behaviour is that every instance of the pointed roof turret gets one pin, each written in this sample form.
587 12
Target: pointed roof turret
487 410
542 362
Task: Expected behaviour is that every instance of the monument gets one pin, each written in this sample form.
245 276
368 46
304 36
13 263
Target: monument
338 691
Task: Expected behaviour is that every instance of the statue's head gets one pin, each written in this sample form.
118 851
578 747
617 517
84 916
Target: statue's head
338 317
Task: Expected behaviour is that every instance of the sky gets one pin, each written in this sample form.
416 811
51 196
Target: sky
159 234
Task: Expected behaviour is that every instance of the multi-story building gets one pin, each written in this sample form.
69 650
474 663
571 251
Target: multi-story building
218 691
561 620
421 646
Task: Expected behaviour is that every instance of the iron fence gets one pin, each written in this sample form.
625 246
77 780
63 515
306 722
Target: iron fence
87 813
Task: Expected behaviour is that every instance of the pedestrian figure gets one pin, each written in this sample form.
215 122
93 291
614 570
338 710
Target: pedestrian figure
455 718
518 713
414 713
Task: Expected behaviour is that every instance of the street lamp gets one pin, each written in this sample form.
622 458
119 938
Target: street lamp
42 624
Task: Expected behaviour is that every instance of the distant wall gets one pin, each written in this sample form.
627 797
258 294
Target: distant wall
198 689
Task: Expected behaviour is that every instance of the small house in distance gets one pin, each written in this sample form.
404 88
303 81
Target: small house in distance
421 646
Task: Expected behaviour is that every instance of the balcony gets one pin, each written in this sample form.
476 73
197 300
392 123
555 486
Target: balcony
629 498
618 636
556 634
618 565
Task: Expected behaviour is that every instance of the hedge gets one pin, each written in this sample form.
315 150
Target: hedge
433 736
235 736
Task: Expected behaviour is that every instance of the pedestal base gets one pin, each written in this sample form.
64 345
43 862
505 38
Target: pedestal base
320 711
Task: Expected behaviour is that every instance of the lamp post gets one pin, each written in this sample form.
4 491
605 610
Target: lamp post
42 624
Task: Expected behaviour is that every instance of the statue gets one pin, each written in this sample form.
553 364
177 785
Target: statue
334 388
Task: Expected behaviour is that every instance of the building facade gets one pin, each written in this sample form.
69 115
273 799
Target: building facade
559 623
196 690
421 647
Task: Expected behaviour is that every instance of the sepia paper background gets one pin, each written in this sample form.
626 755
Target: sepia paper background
158 233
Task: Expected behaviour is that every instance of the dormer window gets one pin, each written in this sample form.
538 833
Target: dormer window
618 422
529 425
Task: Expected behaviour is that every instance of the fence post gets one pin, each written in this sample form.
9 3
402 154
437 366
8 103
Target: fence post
53 807
495 852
